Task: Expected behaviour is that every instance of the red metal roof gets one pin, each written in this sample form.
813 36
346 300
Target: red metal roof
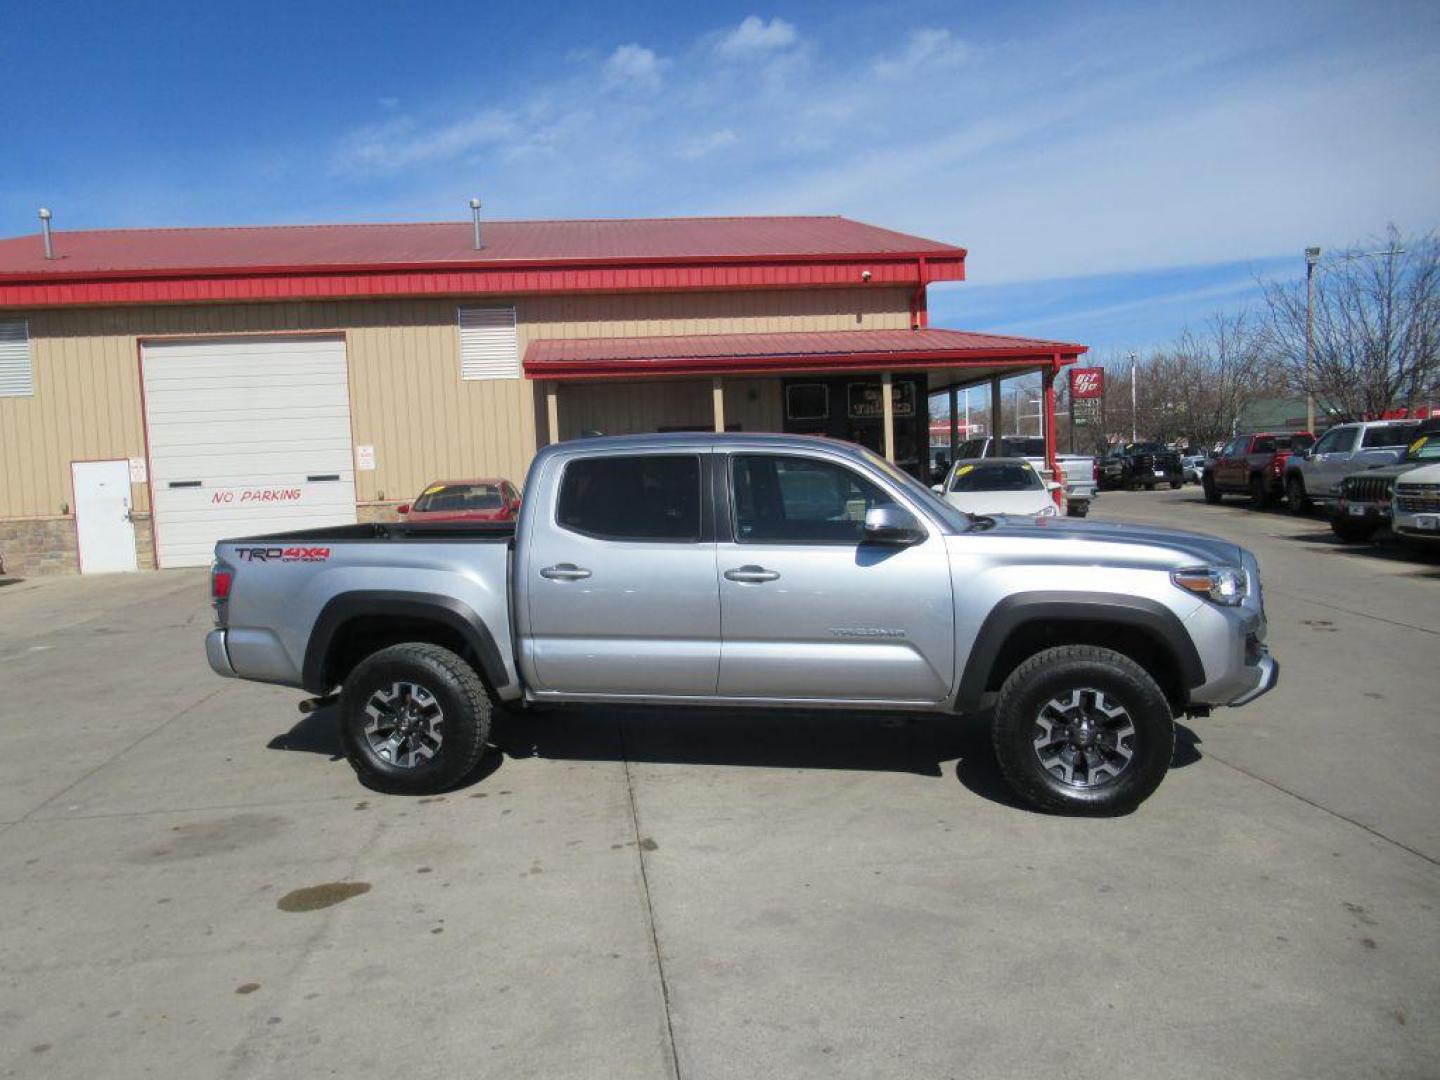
729 354
131 252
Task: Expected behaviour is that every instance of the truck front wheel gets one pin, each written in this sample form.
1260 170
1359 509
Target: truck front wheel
413 719
1083 730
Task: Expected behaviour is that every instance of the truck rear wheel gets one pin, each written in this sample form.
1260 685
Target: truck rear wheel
1077 509
1083 730
1212 493
413 719
1296 500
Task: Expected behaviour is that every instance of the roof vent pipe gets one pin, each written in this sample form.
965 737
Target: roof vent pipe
475 213
45 232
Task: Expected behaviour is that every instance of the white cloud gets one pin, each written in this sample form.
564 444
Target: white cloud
698 146
397 144
927 49
754 35
634 65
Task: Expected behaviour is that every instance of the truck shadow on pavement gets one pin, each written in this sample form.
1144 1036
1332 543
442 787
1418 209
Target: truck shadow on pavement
1383 549
919 744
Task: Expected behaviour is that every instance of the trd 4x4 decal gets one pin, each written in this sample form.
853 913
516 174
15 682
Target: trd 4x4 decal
283 554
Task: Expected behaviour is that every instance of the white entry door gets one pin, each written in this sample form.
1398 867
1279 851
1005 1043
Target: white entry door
247 435
102 516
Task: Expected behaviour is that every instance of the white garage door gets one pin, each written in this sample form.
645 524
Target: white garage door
247 436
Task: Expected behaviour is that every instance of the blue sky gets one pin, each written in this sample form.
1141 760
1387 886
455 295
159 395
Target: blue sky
1117 171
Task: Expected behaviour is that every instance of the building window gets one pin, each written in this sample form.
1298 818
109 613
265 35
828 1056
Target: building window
652 497
17 369
807 401
489 347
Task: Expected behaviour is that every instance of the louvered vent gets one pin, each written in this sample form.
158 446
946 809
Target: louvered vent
17 373
489 348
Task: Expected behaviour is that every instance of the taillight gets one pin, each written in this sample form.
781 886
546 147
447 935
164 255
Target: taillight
1095 469
221 578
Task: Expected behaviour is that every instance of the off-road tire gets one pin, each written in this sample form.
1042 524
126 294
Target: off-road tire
455 686
1048 674
1259 493
1353 532
1212 493
1176 486
1296 499
1079 509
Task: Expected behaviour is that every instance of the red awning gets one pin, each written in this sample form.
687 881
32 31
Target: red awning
757 354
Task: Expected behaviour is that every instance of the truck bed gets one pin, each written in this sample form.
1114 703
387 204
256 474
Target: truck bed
475 531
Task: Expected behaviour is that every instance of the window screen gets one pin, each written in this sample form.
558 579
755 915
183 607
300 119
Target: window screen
489 347
17 371
653 497
800 500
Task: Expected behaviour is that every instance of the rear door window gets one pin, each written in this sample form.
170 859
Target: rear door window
1389 435
644 497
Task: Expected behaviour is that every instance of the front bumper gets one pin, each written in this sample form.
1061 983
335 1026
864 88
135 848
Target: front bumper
218 654
1362 511
1421 525
1268 671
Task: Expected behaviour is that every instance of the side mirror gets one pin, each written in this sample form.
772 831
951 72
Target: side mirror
892 525
939 489
403 509
1052 485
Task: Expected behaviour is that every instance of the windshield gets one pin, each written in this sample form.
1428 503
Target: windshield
932 503
1145 448
457 498
993 475
1425 448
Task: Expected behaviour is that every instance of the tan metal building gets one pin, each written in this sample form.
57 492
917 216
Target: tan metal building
161 389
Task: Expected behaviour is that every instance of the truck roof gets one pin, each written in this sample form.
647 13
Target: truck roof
698 440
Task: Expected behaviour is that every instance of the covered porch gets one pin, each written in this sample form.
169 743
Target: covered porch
868 386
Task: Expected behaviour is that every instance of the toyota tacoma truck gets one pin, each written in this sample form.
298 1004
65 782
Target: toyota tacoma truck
751 570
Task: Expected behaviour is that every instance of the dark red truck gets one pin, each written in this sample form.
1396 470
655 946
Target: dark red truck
1253 465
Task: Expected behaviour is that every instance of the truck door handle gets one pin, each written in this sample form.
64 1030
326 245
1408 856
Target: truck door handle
564 572
751 573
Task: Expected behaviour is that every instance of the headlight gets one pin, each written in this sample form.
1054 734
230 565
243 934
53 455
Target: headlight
1048 511
1223 584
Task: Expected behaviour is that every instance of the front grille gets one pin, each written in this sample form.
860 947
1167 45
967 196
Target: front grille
1418 498
1367 489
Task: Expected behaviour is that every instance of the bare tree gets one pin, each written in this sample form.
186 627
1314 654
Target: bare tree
1376 327
1198 386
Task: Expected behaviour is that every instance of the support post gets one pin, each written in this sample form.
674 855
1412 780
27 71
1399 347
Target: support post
887 396
1051 458
955 424
997 416
717 397
552 411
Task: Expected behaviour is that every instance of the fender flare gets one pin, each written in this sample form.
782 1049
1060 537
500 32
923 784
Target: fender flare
445 610
1023 609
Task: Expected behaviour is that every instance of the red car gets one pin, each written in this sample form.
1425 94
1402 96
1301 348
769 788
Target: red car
464 500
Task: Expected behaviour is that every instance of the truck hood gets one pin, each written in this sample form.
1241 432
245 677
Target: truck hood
1188 548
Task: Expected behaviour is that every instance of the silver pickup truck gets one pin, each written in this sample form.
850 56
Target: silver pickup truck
751 570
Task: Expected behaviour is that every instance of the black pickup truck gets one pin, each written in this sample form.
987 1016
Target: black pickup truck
1147 465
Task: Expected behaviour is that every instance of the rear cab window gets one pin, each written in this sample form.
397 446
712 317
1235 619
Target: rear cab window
636 498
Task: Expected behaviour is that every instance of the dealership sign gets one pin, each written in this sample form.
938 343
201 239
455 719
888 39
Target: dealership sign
1087 383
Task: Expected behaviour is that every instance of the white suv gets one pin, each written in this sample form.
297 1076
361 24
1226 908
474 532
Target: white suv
1415 508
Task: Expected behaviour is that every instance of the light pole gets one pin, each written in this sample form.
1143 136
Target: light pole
1312 260
1134 427
1312 256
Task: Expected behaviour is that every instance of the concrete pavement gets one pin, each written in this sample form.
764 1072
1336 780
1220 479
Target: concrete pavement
636 893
